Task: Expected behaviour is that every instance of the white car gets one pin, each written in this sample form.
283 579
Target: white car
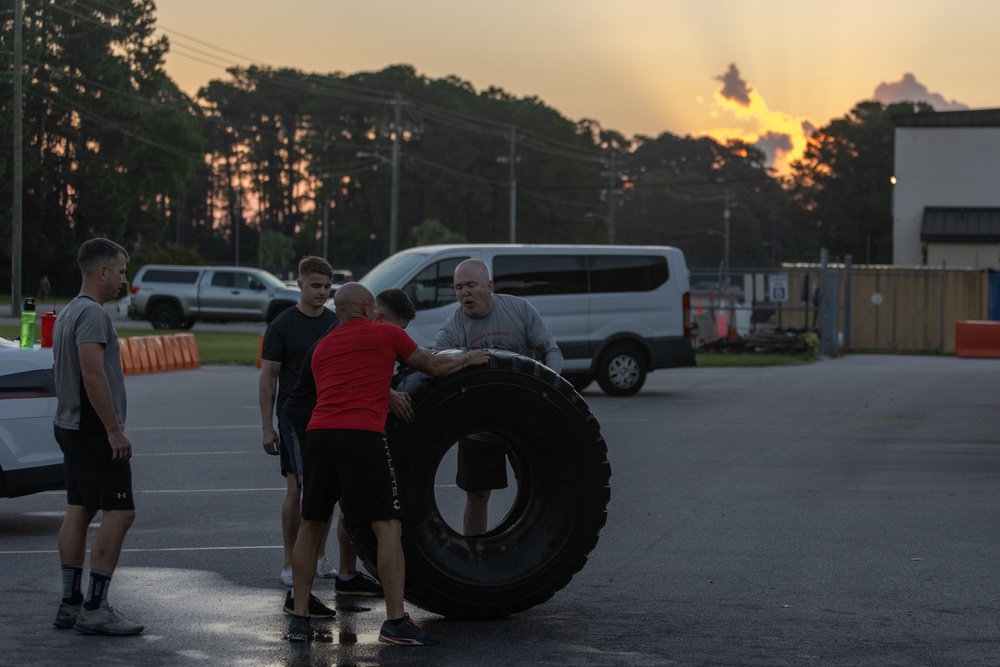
30 458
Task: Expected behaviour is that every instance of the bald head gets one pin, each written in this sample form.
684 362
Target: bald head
474 288
354 301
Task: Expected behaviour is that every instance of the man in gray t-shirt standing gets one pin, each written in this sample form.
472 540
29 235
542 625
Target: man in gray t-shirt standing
90 428
500 322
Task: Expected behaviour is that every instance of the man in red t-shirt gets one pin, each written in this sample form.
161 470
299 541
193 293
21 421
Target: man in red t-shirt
346 456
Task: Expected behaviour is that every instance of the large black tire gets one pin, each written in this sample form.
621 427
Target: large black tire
580 381
621 370
563 489
165 316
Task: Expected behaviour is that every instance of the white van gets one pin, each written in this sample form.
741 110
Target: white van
617 312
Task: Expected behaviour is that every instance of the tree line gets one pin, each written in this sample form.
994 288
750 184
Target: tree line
270 164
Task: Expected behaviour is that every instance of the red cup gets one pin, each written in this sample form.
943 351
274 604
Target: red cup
48 323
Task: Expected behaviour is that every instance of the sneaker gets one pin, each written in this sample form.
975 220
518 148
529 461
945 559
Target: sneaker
359 584
300 630
325 569
105 621
316 608
407 633
66 616
286 577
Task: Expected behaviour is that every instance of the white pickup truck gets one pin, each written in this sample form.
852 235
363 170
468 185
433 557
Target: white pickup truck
175 297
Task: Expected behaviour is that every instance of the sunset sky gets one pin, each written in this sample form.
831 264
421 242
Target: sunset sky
753 69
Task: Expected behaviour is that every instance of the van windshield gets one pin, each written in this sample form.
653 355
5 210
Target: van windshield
390 271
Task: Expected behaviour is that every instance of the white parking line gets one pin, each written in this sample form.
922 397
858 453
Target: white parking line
164 549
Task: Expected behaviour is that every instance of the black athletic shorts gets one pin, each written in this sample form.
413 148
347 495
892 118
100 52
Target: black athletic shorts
292 441
356 463
93 479
482 463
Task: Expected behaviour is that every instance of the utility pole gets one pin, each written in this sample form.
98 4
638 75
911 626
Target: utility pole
236 222
394 204
725 216
511 160
612 198
513 183
16 223
326 228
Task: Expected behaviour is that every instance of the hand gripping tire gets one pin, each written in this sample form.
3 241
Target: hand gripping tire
560 505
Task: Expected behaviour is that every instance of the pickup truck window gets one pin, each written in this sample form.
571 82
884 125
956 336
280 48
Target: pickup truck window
171 276
236 280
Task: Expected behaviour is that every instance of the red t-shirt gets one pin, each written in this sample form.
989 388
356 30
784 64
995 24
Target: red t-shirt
353 367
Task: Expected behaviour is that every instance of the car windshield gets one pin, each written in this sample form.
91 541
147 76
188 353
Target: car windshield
389 272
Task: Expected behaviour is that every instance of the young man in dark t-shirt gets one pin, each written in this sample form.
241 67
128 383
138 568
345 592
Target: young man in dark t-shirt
286 341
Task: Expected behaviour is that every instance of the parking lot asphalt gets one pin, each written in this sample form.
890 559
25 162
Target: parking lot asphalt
839 513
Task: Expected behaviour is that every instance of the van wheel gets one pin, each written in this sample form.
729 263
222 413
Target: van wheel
621 370
554 444
164 316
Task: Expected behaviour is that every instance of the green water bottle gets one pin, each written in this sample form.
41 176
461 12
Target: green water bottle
28 323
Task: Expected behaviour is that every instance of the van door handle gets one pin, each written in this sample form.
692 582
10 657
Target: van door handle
235 291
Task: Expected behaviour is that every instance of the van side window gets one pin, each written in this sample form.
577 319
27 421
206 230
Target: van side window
533 275
435 285
627 273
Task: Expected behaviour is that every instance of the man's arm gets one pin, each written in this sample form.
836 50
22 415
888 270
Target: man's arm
427 361
267 385
95 383
542 341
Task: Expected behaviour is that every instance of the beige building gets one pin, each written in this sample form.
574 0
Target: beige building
946 198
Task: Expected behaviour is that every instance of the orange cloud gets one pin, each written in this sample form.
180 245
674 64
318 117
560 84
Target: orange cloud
781 136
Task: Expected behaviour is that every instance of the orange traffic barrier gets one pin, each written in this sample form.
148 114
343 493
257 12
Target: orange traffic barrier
157 359
152 354
260 349
140 355
976 338
170 352
188 342
125 351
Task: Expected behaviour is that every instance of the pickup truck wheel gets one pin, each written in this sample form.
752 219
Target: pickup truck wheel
559 506
621 370
164 316
185 324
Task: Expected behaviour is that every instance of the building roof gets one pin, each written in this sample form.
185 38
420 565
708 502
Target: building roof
969 118
944 224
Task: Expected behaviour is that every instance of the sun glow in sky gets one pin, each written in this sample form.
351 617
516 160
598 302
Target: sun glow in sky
641 67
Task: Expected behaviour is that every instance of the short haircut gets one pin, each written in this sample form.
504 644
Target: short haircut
395 299
95 252
312 264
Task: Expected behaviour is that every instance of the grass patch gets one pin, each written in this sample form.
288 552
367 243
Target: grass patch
751 360
214 347
240 349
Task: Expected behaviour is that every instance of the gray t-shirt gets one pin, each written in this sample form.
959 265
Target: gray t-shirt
83 320
512 325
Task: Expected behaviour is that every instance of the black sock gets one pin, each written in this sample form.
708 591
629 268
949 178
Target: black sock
99 585
396 622
72 578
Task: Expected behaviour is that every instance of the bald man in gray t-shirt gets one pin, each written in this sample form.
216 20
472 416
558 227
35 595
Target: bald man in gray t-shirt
500 322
